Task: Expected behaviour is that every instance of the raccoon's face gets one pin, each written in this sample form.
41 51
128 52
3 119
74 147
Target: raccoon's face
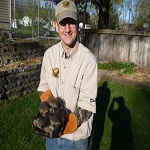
54 106
44 109
41 122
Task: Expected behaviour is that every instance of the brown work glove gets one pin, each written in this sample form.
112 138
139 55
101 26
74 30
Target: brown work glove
75 119
46 95
71 124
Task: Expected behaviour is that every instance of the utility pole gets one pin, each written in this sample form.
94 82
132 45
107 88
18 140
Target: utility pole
38 19
14 21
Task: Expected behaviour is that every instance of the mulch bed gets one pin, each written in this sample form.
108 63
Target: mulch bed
125 81
140 77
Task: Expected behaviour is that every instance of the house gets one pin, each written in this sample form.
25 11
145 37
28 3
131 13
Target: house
14 24
87 26
5 17
26 21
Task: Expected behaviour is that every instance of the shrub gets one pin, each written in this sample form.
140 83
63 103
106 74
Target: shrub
114 65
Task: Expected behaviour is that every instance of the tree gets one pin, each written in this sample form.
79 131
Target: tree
107 11
113 18
115 11
103 7
17 11
93 20
142 14
56 1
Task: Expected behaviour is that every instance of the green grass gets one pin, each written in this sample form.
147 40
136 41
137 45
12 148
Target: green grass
17 115
137 101
16 124
114 65
24 30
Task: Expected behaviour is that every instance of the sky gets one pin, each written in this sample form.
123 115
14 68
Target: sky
126 10
46 3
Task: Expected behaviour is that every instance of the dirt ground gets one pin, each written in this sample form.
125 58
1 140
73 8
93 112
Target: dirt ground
13 65
140 78
140 75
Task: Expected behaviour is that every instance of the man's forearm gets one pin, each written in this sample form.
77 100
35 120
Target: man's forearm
82 115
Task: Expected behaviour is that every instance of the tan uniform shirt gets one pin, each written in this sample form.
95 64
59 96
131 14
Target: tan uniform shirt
72 78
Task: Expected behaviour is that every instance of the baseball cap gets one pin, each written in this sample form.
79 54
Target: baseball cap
65 9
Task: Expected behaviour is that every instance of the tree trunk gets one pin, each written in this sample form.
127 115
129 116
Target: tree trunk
82 30
103 14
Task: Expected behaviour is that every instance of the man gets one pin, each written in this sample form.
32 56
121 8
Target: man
69 71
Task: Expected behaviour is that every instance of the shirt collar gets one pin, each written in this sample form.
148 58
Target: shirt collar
65 55
73 52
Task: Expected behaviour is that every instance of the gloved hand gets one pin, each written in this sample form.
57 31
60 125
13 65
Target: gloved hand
50 120
71 124
75 119
46 95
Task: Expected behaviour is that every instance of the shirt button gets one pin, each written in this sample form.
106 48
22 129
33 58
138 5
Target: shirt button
62 82
65 67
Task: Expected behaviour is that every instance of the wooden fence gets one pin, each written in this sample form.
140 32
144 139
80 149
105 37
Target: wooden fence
121 46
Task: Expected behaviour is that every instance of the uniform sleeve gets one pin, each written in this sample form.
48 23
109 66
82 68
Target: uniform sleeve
43 86
88 88
82 115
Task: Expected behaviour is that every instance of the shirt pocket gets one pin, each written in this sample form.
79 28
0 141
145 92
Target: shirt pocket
73 98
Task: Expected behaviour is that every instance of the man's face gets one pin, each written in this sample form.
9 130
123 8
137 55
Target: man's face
67 29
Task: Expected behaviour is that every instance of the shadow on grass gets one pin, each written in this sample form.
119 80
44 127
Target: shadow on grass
102 101
121 135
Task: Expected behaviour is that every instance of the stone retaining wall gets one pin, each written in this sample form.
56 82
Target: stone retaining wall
18 81
19 50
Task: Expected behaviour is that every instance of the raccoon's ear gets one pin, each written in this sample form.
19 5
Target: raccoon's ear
36 116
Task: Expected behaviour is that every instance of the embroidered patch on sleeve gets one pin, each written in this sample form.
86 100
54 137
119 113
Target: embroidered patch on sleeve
92 100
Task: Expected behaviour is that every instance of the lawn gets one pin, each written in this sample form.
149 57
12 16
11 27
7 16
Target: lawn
128 126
